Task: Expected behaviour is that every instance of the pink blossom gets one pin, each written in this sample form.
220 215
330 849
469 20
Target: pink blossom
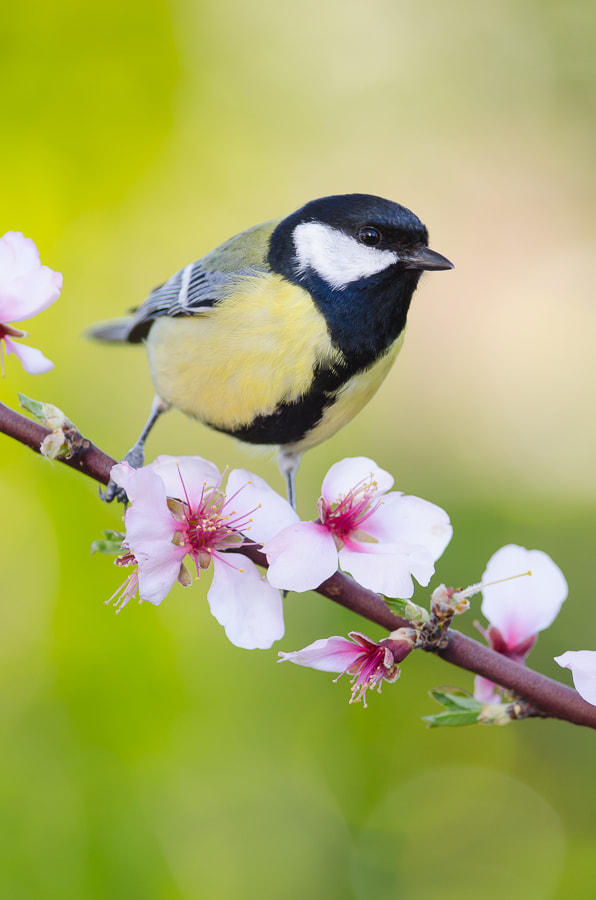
583 668
179 509
370 663
382 539
26 288
517 608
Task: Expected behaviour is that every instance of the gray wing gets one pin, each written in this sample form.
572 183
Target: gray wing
199 286
189 292
195 289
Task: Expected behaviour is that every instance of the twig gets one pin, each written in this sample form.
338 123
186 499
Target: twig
547 697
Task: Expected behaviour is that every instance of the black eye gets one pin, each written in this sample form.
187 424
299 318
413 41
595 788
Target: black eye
369 235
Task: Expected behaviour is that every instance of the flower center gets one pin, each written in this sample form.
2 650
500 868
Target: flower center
350 512
375 663
209 525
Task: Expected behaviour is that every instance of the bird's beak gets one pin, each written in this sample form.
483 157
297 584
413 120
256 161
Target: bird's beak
422 257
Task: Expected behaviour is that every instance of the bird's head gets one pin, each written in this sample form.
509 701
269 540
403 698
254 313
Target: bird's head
360 257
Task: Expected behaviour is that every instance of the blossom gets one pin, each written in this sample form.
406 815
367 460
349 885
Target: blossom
370 663
179 509
518 608
583 668
381 538
26 288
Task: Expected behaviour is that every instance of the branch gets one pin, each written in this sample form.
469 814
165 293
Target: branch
88 458
548 697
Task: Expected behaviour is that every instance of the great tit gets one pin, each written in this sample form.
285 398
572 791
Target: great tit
283 333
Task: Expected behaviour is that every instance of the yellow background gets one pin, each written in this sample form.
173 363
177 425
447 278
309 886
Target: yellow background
144 756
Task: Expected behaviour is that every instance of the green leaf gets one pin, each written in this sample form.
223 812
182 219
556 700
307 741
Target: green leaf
463 709
34 407
460 708
45 413
456 699
453 718
110 545
407 610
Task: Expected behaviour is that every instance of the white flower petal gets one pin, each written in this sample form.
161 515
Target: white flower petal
301 557
333 654
149 531
269 512
383 568
411 520
344 475
158 569
142 482
523 606
248 607
26 287
186 477
583 668
32 360
18 254
148 519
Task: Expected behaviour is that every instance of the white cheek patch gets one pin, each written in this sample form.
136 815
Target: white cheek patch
335 256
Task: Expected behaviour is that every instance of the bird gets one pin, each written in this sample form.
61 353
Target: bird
283 333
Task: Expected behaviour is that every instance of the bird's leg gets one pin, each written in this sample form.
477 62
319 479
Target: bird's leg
288 463
136 455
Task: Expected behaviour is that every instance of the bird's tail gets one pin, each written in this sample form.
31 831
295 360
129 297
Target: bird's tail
115 331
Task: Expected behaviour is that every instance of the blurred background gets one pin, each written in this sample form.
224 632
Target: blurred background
143 755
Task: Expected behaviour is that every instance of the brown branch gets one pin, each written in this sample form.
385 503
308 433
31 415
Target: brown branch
548 697
88 458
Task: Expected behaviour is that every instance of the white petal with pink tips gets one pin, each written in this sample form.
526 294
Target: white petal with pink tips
381 539
520 607
32 360
203 524
333 654
26 288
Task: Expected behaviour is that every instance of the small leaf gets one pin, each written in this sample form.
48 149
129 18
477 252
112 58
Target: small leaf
407 610
110 545
463 709
453 718
453 698
45 413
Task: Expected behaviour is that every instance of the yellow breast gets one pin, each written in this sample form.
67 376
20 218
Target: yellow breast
255 349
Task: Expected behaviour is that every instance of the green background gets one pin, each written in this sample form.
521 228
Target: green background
143 755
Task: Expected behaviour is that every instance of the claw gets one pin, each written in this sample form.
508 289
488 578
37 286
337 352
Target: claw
136 455
112 492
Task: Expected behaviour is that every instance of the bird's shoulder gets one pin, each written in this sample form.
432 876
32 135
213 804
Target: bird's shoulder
247 250
196 288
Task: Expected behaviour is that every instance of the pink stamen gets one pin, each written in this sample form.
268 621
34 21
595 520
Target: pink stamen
207 527
353 510
129 588
369 669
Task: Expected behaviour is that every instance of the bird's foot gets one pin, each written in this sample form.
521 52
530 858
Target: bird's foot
136 459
